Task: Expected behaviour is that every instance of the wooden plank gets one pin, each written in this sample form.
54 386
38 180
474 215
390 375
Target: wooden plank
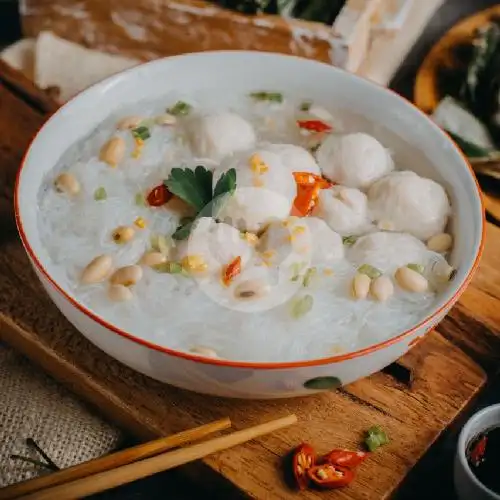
414 400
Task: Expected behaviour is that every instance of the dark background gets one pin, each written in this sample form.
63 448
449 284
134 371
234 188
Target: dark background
433 476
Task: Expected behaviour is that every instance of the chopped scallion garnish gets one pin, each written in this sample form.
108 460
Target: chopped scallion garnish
349 240
100 194
170 268
370 271
180 108
418 268
140 201
141 132
306 105
309 276
267 96
300 307
375 438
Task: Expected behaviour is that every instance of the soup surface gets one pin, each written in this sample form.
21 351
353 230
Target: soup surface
248 227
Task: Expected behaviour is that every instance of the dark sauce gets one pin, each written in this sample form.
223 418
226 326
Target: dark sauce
483 456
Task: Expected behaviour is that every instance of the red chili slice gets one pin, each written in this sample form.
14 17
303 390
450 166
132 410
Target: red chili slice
304 458
158 196
231 271
346 458
328 476
314 125
308 187
478 451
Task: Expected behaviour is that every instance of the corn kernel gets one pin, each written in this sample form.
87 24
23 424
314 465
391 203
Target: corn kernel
140 222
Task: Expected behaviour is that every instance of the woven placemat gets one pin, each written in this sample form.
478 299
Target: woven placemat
33 405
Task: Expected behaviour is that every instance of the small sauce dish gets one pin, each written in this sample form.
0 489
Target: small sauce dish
467 484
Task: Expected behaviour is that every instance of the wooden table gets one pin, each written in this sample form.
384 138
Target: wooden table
416 399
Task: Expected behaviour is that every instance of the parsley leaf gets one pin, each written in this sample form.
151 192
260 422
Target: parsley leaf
195 188
183 231
225 184
192 186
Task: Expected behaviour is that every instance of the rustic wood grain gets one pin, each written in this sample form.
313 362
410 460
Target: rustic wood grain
447 370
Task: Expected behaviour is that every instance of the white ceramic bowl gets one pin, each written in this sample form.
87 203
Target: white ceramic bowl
416 141
467 486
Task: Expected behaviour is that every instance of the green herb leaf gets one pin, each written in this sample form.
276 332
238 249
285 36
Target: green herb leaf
192 186
349 240
225 184
267 96
100 194
419 268
375 438
370 271
306 105
180 108
183 231
301 306
141 132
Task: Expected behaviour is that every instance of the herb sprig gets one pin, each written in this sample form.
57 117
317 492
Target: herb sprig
195 188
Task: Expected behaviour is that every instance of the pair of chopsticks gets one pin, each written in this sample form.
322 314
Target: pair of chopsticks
138 462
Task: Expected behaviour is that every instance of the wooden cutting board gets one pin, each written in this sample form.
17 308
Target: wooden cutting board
414 400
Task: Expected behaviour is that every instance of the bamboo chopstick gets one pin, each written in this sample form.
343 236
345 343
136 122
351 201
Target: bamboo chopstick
127 473
114 460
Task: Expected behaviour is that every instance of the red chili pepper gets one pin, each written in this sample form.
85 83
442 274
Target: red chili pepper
305 200
328 476
231 271
309 179
314 125
304 458
478 451
158 196
346 458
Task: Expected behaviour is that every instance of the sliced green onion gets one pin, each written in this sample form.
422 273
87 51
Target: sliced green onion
100 194
375 438
370 271
180 108
141 132
139 200
306 105
418 268
300 307
309 276
267 96
170 268
297 268
349 240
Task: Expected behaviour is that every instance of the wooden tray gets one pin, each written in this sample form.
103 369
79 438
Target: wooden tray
414 400
368 36
427 94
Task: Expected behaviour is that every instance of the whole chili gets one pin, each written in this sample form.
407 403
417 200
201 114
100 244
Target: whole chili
304 458
158 196
231 271
314 125
345 458
328 476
